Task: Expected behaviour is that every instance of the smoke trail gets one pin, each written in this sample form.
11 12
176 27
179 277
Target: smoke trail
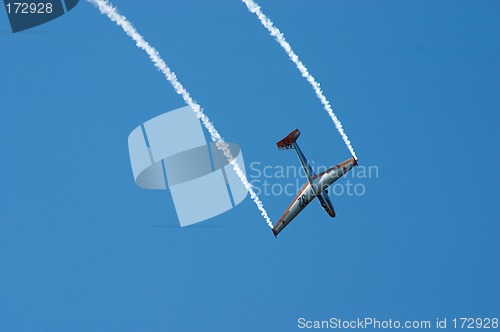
280 38
106 8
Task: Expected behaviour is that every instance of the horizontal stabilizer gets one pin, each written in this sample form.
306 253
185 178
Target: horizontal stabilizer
288 142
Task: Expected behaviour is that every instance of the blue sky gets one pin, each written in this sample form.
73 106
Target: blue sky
415 84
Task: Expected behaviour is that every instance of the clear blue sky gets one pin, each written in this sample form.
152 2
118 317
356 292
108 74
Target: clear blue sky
416 85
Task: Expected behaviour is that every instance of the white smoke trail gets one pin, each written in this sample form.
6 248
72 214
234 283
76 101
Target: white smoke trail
106 8
280 38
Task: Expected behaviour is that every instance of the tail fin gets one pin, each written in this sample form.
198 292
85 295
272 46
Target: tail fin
288 142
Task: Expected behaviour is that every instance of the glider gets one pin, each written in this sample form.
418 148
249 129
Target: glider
315 186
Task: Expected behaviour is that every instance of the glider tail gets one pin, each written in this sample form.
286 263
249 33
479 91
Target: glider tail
289 141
